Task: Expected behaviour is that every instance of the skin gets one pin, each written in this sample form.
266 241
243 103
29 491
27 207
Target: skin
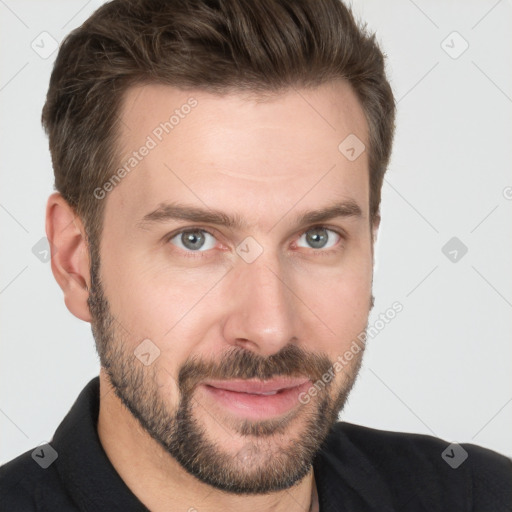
265 161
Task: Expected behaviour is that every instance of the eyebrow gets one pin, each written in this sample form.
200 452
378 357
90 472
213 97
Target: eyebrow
175 211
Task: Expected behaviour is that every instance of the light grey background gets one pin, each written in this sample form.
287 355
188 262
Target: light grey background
443 366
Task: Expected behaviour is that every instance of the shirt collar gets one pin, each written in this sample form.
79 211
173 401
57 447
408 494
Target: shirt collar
82 463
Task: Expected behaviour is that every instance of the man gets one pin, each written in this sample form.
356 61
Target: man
218 167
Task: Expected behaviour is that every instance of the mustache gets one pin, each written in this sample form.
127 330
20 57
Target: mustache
239 363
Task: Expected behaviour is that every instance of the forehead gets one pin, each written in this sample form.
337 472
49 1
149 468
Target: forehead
253 157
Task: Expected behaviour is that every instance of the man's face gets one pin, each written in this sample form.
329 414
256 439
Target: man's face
211 332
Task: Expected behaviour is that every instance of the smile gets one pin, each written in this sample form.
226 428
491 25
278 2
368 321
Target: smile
256 399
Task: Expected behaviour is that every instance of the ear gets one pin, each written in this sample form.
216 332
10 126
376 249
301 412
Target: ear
374 232
375 227
70 255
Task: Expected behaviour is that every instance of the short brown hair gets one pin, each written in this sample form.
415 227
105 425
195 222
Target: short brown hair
219 46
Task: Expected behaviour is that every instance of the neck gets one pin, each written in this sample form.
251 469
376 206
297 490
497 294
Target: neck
160 482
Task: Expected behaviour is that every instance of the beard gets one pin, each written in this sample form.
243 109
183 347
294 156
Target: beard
273 457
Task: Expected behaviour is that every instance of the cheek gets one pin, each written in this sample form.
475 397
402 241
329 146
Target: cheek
152 301
340 301
343 304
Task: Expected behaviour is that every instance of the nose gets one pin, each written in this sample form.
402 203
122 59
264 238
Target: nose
263 314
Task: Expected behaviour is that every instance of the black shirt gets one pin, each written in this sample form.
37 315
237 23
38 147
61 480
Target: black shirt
358 469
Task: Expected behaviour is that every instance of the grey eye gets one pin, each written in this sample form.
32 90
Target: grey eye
194 240
320 238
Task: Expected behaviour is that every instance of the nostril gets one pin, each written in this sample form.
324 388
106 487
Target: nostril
245 344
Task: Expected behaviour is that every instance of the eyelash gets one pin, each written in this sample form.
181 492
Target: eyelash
204 254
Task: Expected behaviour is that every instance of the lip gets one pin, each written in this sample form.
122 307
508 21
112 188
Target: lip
257 386
256 399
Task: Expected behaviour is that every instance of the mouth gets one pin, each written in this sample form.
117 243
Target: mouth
256 399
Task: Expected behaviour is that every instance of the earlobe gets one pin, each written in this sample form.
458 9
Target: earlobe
375 227
374 232
70 255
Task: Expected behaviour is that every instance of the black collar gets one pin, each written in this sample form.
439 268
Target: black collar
82 463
